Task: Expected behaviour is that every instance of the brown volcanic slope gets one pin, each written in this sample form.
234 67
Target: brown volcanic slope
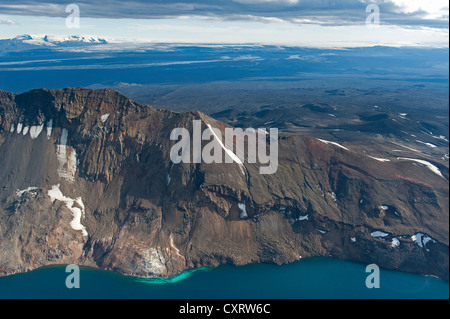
80 186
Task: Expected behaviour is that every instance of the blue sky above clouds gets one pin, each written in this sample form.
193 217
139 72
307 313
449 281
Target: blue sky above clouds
324 23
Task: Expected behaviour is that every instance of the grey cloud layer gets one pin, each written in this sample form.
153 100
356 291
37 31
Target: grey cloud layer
324 12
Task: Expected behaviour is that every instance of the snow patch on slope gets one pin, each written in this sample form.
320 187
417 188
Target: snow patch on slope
36 130
27 190
333 143
77 212
229 152
104 118
49 128
67 158
395 242
25 130
378 234
422 240
433 168
427 144
243 210
380 159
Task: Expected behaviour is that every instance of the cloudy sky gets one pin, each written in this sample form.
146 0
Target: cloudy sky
317 23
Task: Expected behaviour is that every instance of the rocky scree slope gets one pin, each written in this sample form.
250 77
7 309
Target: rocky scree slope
86 178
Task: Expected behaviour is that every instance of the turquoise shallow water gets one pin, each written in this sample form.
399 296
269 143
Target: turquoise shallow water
309 278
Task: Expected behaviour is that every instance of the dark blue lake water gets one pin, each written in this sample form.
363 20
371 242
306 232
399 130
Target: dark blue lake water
309 278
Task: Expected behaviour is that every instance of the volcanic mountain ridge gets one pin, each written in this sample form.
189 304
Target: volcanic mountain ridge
86 178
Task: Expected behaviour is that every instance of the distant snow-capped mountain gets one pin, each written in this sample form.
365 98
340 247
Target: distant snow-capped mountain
27 41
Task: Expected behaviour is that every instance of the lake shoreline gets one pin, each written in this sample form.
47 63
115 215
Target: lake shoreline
312 278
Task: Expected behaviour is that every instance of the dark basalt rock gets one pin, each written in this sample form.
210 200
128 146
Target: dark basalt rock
146 216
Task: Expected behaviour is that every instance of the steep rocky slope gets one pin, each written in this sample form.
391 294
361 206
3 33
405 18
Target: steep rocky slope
86 178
